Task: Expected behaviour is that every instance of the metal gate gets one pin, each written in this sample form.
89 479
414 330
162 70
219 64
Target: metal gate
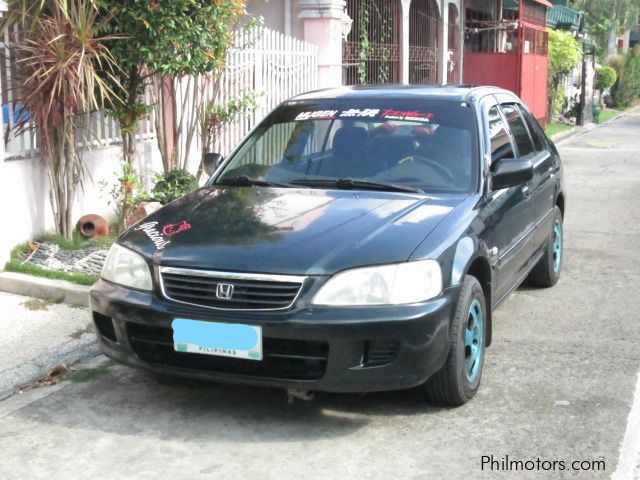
371 53
424 25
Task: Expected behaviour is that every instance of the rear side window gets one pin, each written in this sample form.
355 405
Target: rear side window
535 130
519 130
499 136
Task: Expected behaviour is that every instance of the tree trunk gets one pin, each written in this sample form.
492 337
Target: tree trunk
612 36
166 123
555 83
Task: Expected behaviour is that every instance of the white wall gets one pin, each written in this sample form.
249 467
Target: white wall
273 13
25 209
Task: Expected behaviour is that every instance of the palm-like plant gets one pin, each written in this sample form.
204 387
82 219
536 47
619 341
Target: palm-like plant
62 65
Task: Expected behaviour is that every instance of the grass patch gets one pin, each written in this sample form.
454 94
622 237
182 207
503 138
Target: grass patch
607 114
554 128
36 304
78 242
15 265
89 374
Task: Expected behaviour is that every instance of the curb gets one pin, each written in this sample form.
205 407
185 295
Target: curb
57 291
577 131
566 134
74 351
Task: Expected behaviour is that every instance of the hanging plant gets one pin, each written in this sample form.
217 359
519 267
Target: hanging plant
386 29
365 45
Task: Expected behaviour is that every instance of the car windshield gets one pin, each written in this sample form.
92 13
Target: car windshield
423 146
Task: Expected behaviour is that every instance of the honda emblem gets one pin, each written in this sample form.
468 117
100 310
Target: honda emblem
224 291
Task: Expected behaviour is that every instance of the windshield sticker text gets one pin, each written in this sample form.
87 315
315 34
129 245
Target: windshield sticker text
413 115
388 114
356 112
154 235
173 228
317 115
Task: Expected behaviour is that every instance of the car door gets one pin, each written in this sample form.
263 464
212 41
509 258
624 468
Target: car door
545 167
509 211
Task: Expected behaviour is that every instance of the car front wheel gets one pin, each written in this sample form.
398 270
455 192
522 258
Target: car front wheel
459 378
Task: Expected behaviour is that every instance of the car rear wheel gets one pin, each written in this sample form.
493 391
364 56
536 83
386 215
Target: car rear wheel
547 272
459 378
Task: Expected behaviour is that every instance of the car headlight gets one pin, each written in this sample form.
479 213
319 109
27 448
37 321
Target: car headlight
126 268
395 284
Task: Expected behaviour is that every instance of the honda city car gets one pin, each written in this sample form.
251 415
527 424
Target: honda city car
358 239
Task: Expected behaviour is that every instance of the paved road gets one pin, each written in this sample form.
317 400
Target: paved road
558 383
36 335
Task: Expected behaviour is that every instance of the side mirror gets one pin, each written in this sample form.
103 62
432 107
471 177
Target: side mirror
211 162
510 172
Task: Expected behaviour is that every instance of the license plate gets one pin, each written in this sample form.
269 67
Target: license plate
220 339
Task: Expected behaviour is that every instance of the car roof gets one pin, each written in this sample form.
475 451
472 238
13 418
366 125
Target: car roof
433 92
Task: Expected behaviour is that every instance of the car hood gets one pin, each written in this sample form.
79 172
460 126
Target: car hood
287 230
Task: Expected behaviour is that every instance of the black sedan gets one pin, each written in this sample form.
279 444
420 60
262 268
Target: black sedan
357 240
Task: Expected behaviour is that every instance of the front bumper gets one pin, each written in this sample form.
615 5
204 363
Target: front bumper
310 348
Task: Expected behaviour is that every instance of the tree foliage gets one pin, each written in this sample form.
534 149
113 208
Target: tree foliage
628 89
564 56
167 40
61 67
606 16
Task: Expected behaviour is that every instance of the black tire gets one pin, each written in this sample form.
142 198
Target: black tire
451 385
546 273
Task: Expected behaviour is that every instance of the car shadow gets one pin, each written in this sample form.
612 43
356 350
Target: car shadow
125 401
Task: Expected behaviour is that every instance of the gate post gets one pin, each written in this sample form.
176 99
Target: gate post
5 247
323 21
443 47
404 42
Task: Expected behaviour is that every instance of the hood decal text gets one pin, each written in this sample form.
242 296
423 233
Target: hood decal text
154 235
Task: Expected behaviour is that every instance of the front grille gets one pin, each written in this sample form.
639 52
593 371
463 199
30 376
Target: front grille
250 292
380 352
282 358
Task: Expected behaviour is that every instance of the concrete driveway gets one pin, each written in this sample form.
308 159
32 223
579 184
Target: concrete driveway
558 384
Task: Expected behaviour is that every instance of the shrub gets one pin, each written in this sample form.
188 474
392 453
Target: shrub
628 89
172 185
605 78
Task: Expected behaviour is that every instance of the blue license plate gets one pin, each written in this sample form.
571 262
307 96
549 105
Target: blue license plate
220 339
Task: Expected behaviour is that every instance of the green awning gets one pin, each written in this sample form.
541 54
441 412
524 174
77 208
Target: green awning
564 18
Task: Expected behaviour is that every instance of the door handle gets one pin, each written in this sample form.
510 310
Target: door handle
526 191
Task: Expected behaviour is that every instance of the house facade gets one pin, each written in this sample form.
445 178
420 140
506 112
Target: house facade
506 45
374 41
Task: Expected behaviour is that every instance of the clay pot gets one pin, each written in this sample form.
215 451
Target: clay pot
141 211
92 225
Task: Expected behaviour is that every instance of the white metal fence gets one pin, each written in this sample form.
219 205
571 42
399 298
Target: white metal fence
265 62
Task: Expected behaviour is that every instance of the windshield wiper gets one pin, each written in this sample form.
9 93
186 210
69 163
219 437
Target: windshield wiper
244 181
350 184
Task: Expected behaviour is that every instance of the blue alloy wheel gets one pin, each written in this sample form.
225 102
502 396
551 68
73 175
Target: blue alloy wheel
557 246
473 341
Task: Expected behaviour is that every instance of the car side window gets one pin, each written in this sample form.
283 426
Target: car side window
519 130
499 136
534 128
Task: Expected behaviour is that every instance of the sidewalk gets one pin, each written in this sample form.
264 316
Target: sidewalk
36 335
